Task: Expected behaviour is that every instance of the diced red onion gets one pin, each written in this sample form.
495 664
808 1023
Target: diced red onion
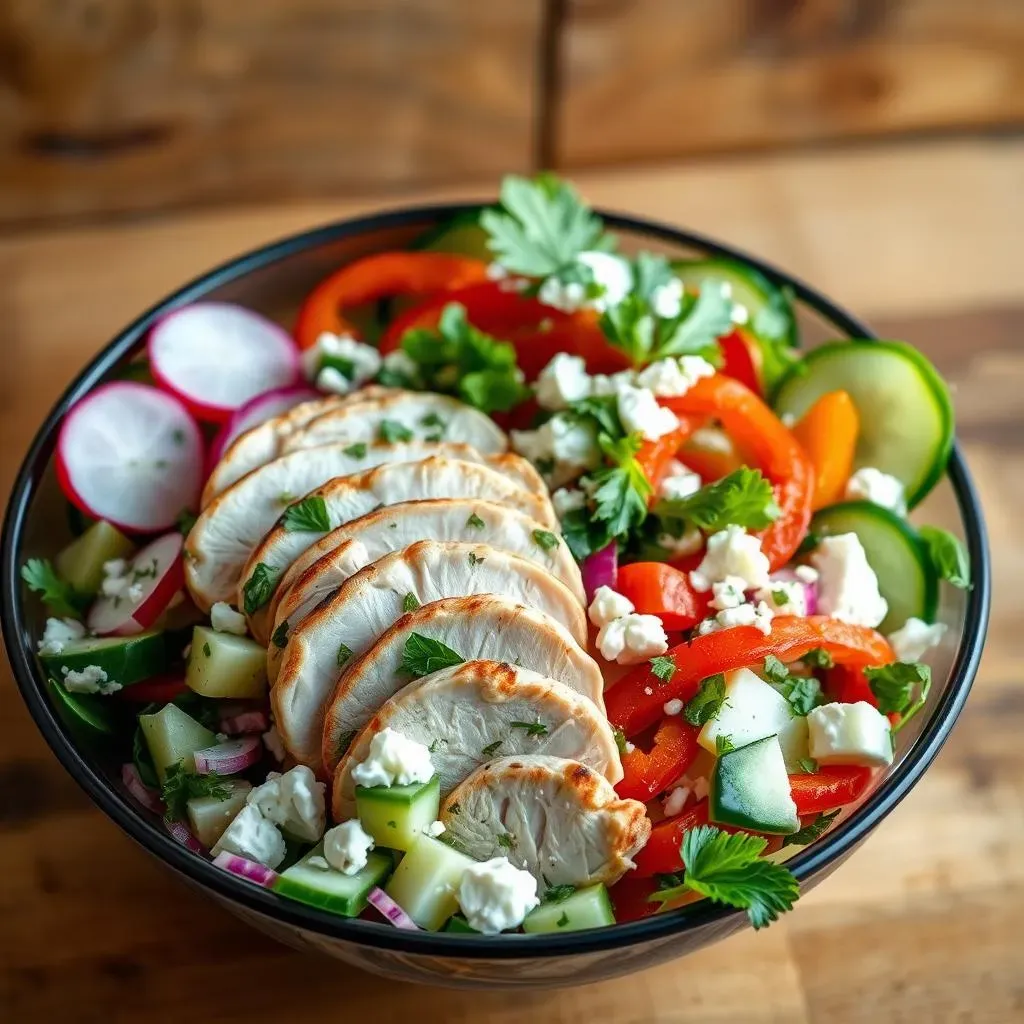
229 758
181 833
148 798
810 589
601 569
245 868
245 723
391 910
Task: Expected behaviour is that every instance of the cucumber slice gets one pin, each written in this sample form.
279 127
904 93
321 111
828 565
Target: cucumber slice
425 883
462 236
126 660
209 816
397 815
460 926
906 416
81 562
331 890
906 576
750 789
225 665
752 710
83 710
585 908
174 736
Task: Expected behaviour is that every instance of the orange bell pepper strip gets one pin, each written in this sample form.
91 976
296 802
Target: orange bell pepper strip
632 709
830 787
378 277
827 432
710 453
646 774
655 456
656 588
761 435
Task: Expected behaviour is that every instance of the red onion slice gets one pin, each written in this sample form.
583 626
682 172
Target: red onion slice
180 832
601 569
229 758
146 797
247 869
245 723
391 910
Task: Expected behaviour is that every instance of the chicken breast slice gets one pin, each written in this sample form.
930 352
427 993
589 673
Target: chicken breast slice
557 818
429 416
233 524
468 713
395 527
349 498
482 627
374 599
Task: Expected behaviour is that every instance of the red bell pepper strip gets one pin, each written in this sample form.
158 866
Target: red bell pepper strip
158 690
708 459
378 277
741 359
631 709
655 456
830 787
661 854
648 774
629 898
761 435
847 684
663 590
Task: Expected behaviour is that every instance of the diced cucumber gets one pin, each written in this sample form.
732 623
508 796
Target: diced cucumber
329 889
906 577
174 736
209 816
459 925
750 789
225 665
462 236
425 883
795 741
81 562
125 659
585 908
752 710
906 416
82 709
396 815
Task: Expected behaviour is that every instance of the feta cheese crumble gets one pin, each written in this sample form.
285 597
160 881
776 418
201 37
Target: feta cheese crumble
401 364
870 484
58 633
632 638
91 679
673 707
759 616
566 500
393 760
784 597
294 801
675 801
671 378
847 585
607 605
857 734
667 299
339 363
563 381
688 543
435 829
571 446
679 482
346 847
732 552
272 741
915 638
250 835
496 895
640 413
225 619
728 593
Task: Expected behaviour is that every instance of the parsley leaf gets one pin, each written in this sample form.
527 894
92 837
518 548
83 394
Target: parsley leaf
410 602
620 740
356 451
621 491
562 921
723 745
558 893
181 785
491 748
707 702
808 765
344 653
743 498
507 840
422 655
280 637
60 597
545 539
663 667
818 657
802 692
307 516
184 521
532 728
475 559
775 671
475 522
708 319
390 431
814 830
948 556
895 687
259 587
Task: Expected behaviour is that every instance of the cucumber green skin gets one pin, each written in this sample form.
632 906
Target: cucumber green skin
83 711
459 926
396 815
348 904
462 236
585 908
126 660
798 390
727 801
897 558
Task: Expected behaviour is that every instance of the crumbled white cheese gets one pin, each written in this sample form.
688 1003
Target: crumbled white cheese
601 385
667 299
225 619
496 896
435 829
58 633
679 482
639 412
857 734
847 585
612 274
607 605
346 847
689 543
272 741
632 638
566 500
333 382
870 484
402 365
728 593
915 638
760 616
252 836
393 760
671 378
732 552
806 573
571 445
294 801
115 578
784 597
563 381
673 707
567 297
740 314
360 362
675 801
91 679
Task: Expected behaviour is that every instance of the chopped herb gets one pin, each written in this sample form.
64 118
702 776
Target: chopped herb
901 688
707 701
780 597
563 920
181 785
774 670
344 653
433 420
435 744
532 728
948 556
664 667
809 543
545 465
818 657
808 765
61 598
455 809
620 740
392 824
723 745
280 637
178 436
489 750
743 498
206 649
345 741
307 516
184 521
356 451
422 655
475 522
285 498
803 694
545 539
410 602
391 431
620 490
507 840
814 830
558 893
475 559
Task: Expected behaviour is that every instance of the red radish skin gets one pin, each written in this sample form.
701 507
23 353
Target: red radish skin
216 357
132 455
122 616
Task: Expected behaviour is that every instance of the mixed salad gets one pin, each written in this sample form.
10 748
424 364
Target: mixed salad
524 585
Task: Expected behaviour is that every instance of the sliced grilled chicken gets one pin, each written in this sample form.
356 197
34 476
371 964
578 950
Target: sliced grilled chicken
470 713
427 415
395 527
233 524
558 819
351 497
484 626
374 599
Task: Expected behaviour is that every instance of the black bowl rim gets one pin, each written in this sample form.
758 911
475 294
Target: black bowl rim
235 890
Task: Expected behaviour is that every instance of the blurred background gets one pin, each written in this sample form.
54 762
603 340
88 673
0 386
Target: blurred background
873 147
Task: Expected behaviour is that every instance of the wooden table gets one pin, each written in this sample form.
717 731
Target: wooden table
923 923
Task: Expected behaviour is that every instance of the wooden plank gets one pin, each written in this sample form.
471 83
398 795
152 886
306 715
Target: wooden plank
117 106
645 79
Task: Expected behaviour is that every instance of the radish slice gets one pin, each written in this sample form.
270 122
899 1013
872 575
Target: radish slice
181 833
146 797
151 579
258 411
246 868
245 723
216 357
132 455
229 758
391 910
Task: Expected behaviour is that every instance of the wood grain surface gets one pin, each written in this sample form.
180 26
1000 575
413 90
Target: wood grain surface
921 925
